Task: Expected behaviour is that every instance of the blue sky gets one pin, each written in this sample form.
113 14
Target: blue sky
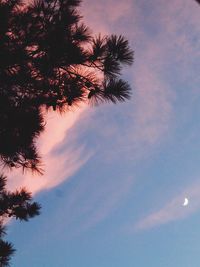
116 176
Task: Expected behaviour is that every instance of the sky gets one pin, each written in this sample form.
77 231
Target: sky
117 175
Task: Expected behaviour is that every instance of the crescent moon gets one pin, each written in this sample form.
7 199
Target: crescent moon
186 202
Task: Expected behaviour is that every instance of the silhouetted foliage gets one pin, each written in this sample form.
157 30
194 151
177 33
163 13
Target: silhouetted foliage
16 205
49 60
6 251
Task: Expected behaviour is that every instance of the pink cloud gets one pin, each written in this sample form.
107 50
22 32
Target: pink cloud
153 95
91 203
153 106
149 114
58 166
174 45
101 15
109 200
173 210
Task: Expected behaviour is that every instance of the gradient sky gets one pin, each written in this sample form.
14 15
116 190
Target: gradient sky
117 175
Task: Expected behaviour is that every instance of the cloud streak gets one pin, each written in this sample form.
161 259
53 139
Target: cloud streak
58 166
173 210
148 121
148 116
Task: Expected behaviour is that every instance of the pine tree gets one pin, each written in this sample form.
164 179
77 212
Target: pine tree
50 60
16 205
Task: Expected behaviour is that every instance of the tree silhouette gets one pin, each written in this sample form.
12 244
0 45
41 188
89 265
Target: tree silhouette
16 205
50 60
6 248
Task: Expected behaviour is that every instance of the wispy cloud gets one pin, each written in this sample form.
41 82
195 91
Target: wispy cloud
58 166
100 15
163 59
149 116
146 119
91 202
173 210
108 201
